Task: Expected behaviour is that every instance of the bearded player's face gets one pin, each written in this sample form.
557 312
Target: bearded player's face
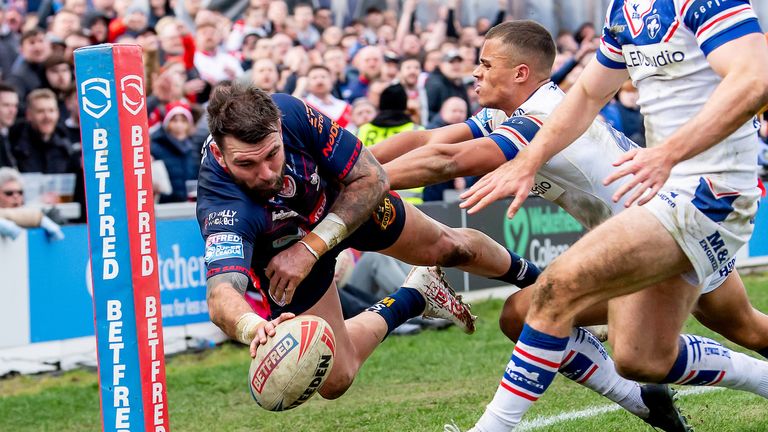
257 168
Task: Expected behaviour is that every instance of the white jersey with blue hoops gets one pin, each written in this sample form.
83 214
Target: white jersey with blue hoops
664 44
572 178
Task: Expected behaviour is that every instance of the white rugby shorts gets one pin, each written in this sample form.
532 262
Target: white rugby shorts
709 220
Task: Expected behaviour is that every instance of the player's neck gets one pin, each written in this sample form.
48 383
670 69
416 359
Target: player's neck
522 95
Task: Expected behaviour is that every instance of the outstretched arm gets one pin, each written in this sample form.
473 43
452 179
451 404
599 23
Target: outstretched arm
404 142
594 88
436 163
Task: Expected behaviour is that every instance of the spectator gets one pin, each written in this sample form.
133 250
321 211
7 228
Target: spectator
363 111
410 72
336 62
27 73
392 118
159 9
277 13
323 19
172 145
39 145
319 86
264 75
368 63
186 11
254 22
444 82
623 114
391 67
58 78
96 24
9 106
64 23
306 33
72 121
74 41
9 46
214 64
13 216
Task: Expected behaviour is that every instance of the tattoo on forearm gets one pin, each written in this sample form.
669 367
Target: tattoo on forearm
238 281
364 187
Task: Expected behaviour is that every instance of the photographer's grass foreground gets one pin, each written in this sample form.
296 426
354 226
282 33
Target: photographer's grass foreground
413 383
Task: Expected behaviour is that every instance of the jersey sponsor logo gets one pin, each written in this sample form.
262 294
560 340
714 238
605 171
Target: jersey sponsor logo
319 209
283 241
653 25
728 268
546 188
132 96
95 97
667 199
289 187
221 218
385 214
282 214
333 134
221 246
352 160
638 58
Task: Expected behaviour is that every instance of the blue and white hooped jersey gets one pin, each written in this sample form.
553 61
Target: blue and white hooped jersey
664 45
572 178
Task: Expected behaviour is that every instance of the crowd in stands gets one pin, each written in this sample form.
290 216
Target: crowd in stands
374 71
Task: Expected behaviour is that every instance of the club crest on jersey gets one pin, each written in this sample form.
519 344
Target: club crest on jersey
635 12
289 187
653 25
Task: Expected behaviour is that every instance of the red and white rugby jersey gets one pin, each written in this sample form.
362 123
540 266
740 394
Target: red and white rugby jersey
664 45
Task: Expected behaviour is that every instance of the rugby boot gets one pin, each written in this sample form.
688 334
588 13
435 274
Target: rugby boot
663 413
442 301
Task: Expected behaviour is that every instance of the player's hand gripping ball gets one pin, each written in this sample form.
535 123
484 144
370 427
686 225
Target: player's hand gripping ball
293 364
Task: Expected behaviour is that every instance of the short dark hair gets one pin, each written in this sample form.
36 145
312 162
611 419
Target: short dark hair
7 88
242 111
530 39
29 34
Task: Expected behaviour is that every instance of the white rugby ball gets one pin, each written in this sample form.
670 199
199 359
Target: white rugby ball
293 364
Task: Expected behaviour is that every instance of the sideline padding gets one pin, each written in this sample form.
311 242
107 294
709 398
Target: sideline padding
122 237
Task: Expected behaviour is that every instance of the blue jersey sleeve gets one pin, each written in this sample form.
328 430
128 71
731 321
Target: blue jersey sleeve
335 149
715 23
515 134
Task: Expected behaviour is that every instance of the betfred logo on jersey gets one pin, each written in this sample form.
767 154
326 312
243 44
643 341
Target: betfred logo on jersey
221 246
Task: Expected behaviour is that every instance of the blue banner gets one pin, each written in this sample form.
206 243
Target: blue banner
60 288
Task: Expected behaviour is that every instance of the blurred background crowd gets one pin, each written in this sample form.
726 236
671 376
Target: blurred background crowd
375 67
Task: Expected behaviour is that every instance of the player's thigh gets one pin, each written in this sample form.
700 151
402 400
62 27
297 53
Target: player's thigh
644 327
728 311
627 252
422 240
516 308
344 360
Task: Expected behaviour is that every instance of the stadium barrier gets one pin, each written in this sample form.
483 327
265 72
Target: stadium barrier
48 303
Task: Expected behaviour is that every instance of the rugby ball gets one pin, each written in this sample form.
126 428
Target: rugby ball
293 364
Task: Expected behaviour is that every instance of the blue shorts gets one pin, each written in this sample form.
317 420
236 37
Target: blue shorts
379 232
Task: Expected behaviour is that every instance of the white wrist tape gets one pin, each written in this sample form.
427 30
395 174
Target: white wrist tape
332 230
245 329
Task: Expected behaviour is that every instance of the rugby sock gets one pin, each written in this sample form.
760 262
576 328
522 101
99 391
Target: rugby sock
529 372
521 273
704 362
399 307
587 363
764 352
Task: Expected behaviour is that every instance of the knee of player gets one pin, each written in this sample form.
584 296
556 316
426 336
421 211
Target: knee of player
554 289
511 320
336 385
634 366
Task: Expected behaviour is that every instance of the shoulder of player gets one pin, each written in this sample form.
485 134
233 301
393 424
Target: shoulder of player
235 215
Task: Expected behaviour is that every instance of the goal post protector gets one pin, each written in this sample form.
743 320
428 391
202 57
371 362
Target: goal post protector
122 238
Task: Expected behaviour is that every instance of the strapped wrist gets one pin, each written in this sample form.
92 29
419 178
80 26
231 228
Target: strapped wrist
326 235
245 329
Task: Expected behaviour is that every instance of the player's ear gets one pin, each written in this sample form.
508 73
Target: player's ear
217 154
522 73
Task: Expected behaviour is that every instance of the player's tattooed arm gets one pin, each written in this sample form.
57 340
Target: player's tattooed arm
364 188
225 300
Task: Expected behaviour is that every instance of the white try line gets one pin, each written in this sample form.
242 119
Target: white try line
540 422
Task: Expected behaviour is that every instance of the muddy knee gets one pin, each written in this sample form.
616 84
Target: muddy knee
456 251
